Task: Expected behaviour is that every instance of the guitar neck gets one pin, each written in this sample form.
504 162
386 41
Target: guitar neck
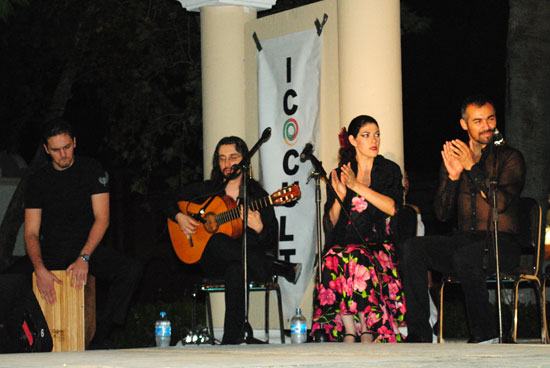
236 212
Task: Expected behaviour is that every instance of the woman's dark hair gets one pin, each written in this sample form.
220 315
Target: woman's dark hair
347 151
240 146
55 127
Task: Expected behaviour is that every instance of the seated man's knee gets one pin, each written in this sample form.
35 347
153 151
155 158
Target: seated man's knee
407 249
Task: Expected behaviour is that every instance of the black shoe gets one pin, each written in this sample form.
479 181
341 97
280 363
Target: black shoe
290 271
414 338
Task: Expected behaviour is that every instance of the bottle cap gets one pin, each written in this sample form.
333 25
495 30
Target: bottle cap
163 314
298 311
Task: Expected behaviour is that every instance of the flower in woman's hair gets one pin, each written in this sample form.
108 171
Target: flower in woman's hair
343 138
359 204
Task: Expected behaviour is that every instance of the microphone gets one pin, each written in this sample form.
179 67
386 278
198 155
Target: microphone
306 152
266 134
498 138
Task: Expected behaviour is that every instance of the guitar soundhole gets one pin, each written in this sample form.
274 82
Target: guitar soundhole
210 225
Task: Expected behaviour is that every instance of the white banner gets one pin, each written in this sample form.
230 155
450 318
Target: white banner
289 69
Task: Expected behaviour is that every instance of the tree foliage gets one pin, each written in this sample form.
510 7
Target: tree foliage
134 82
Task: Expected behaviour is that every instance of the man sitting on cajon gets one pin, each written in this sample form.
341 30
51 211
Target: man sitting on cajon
66 216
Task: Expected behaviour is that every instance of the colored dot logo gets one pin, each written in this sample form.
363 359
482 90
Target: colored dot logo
290 131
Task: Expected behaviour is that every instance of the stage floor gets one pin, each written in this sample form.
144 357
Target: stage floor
304 355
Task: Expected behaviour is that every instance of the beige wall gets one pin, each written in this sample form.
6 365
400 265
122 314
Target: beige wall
223 94
369 38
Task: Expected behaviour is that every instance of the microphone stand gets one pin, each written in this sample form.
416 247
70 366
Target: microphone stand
494 218
317 176
244 166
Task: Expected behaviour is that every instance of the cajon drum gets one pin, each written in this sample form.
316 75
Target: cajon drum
71 319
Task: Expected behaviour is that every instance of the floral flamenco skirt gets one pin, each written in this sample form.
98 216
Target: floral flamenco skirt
355 283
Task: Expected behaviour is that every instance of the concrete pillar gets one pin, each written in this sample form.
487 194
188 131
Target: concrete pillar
223 75
369 43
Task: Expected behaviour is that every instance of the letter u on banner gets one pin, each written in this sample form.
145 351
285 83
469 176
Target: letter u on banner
289 69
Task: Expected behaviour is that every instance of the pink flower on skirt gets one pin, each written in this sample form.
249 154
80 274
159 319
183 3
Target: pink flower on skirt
353 307
372 298
393 289
326 296
318 313
373 318
373 275
331 262
347 285
359 204
360 278
384 259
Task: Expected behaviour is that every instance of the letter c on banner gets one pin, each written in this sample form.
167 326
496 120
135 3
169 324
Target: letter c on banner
289 110
290 171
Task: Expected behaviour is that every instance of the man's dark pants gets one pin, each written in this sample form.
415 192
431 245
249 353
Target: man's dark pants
460 255
222 258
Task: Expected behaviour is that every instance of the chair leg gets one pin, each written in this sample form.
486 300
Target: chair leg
267 289
194 310
280 306
515 296
440 332
542 312
546 337
209 318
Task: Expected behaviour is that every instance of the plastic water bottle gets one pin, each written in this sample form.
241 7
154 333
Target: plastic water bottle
163 331
298 328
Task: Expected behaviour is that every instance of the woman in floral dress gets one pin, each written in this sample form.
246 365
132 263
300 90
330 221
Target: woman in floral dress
360 297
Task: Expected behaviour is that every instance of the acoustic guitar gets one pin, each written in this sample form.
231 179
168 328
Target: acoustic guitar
219 215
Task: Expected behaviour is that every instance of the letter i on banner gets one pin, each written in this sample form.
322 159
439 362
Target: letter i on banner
289 69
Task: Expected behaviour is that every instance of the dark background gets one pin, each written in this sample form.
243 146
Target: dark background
135 101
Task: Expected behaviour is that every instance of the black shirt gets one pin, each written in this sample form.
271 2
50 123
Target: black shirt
386 179
473 209
65 198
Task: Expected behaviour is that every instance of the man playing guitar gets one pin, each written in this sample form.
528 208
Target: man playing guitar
222 255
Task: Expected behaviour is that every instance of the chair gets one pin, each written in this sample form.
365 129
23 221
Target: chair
530 232
407 222
212 286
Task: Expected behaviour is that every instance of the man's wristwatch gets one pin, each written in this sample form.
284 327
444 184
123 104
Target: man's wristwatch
85 257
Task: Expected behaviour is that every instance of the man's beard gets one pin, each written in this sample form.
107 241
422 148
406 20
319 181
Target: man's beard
231 174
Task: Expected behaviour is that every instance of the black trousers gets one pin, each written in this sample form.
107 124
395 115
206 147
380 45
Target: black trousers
121 272
222 258
463 256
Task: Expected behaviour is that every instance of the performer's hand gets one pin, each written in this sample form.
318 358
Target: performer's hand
348 177
338 186
463 153
452 164
44 282
79 273
187 224
254 220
